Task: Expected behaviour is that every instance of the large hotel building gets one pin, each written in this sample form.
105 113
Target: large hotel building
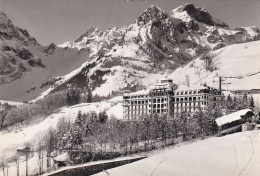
167 98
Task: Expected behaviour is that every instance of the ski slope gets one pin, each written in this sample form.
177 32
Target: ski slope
241 62
235 154
238 60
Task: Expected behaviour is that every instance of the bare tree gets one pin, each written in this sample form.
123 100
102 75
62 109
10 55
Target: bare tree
26 153
39 148
15 159
3 165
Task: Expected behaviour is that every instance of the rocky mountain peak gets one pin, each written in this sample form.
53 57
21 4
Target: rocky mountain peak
91 32
5 22
2 14
10 32
151 14
201 15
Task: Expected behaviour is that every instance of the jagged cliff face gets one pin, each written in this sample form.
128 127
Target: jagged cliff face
15 58
26 67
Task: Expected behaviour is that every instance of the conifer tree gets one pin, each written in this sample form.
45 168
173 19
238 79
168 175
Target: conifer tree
89 95
235 103
251 103
102 116
245 101
73 96
229 102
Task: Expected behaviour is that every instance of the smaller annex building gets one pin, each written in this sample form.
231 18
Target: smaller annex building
232 123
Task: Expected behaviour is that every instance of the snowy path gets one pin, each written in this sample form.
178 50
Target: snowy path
249 168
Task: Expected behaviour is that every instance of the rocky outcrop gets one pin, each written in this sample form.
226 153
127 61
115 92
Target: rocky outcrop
201 15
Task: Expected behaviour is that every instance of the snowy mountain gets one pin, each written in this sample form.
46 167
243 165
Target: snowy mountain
154 46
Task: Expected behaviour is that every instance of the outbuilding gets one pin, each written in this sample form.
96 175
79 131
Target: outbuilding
232 123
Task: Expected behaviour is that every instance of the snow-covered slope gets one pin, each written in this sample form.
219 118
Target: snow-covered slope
12 139
235 154
240 62
153 46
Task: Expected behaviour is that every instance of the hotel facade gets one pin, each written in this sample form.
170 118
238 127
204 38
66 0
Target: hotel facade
167 98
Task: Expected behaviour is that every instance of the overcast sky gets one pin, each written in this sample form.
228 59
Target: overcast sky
63 20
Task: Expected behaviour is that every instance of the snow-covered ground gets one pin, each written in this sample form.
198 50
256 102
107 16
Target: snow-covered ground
235 154
11 140
240 61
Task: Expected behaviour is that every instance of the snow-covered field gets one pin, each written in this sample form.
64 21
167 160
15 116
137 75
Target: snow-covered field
235 154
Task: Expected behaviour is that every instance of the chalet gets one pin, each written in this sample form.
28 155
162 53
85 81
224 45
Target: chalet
233 122
62 159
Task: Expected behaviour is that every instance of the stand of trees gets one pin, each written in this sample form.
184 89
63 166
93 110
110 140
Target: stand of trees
96 134
239 102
